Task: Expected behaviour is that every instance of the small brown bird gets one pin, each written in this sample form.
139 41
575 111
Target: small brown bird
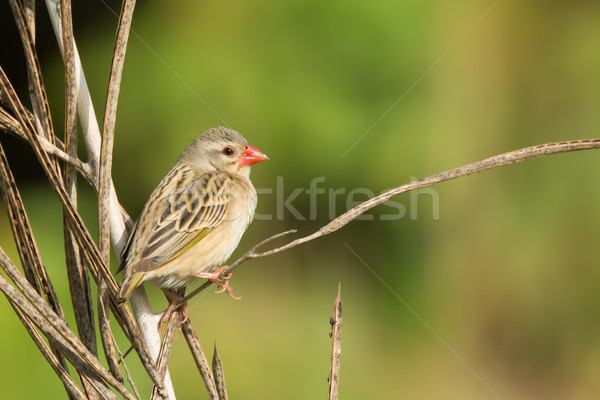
194 219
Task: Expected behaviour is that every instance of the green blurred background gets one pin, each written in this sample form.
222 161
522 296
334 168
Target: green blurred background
496 298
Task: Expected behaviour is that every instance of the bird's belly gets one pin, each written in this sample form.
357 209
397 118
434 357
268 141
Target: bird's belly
208 254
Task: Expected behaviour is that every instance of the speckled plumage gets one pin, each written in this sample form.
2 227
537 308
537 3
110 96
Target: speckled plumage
195 217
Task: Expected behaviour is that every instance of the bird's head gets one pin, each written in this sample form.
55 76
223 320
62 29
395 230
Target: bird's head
222 149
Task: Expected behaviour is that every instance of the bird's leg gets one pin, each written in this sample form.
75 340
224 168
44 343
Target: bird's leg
174 299
214 277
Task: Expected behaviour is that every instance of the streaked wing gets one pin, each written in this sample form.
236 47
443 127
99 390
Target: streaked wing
188 215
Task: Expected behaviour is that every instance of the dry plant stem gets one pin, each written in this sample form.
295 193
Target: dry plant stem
43 123
106 335
11 125
39 98
83 235
92 138
31 132
27 299
96 264
104 174
108 131
336 348
85 108
129 378
30 257
91 131
147 322
8 123
63 374
165 349
200 359
137 337
82 168
37 92
91 134
29 6
77 275
54 328
219 375
492 162
71 86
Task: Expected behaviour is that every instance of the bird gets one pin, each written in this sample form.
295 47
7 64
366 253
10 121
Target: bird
194 219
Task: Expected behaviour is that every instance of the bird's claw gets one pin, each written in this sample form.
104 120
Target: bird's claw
174 299
224 285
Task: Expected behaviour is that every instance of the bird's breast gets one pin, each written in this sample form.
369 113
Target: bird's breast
214 249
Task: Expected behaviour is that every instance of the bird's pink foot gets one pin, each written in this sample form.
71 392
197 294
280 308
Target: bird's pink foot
174 299
214 277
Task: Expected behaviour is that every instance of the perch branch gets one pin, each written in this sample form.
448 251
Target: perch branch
479 166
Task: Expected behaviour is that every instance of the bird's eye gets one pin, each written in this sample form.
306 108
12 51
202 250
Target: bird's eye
228 151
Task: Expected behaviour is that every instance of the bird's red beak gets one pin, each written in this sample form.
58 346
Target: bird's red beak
251 155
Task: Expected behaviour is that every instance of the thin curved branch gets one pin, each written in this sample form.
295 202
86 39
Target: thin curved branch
250 254
500 160
108 128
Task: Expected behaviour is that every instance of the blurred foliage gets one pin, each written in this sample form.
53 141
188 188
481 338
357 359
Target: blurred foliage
496 298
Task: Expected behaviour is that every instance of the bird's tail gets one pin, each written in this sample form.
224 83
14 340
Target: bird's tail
130 282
